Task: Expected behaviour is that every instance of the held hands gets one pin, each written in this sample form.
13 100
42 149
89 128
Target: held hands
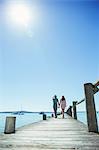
58 105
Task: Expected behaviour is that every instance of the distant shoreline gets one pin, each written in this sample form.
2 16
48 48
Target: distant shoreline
23 112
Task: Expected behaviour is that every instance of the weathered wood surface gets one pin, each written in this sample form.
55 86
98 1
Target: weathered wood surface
51 134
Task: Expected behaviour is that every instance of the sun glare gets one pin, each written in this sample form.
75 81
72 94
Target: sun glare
19 14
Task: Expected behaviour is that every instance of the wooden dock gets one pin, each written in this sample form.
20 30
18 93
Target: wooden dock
51 134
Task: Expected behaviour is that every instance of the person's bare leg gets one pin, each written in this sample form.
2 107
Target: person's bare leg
62 113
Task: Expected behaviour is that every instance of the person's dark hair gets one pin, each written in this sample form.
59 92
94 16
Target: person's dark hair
63 98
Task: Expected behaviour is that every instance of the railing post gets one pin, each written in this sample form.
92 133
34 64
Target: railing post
74 109
69 111
90 108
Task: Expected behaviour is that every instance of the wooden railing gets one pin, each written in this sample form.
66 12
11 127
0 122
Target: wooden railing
89 89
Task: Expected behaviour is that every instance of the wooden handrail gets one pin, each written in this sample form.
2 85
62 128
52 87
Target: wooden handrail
97 83
80 101
90 89
95 87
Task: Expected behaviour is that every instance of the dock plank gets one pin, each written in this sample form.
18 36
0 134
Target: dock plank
54 133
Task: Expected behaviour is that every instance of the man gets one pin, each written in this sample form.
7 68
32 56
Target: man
55 102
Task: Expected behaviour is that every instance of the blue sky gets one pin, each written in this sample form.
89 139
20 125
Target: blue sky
56 54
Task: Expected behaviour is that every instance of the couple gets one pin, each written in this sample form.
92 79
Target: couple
62 104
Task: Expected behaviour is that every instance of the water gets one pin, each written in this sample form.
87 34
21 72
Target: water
28 118
21 120
81 116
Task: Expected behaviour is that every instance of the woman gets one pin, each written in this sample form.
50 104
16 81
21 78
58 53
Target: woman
63 105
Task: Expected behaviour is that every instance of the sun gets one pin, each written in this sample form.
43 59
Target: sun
19 14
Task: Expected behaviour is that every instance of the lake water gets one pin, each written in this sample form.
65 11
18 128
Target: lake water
28 118
82 117
21 120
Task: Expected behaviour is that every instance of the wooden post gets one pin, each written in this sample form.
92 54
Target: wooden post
44 116
52 115
10 125
69 111
90 108
74 109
